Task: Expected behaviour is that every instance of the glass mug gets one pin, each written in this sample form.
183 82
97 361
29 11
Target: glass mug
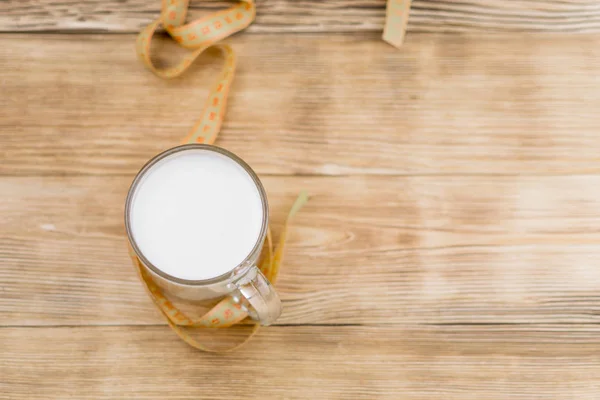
150 203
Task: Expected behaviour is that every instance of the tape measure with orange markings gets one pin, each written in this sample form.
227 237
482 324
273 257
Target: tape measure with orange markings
198 36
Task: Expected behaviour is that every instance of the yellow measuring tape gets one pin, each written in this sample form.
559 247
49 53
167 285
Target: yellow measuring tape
198 36
396 21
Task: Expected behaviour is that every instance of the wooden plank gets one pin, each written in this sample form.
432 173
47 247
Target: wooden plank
365 250
313 16
311 105
456 362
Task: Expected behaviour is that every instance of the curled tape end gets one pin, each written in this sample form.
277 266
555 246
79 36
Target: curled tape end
299 203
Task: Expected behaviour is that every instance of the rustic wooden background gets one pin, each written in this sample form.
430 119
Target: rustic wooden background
451 248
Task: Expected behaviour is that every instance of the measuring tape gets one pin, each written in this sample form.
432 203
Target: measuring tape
396 21
205 32
198 36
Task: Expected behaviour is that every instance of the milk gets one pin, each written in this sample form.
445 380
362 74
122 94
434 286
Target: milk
196 214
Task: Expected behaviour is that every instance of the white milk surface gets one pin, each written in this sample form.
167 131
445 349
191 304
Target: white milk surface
196 214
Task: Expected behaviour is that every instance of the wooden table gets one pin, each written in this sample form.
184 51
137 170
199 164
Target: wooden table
451 247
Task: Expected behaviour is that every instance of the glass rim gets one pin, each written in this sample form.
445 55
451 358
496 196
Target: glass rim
245 264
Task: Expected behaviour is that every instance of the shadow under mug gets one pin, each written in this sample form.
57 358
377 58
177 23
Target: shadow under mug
244 282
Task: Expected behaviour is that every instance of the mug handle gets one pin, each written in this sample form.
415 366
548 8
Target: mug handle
258 297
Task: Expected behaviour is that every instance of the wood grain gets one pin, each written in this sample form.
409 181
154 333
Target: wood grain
450 247
311 105
368 250
418 363
277 16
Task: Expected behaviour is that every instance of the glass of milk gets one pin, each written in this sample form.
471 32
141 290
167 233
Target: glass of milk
196 217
